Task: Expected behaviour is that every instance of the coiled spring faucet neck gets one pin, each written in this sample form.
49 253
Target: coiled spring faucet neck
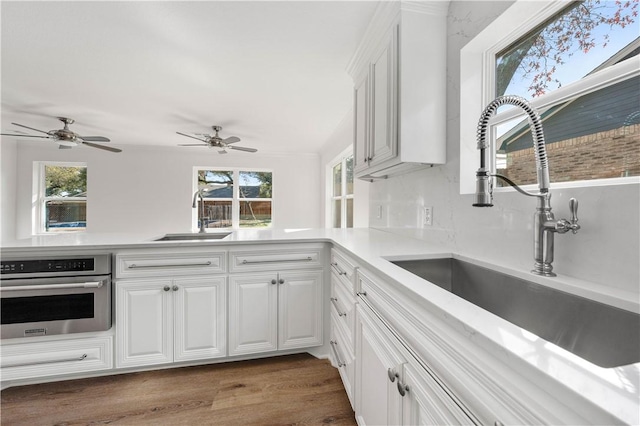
484 185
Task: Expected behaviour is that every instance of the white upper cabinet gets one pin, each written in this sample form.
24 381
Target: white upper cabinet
399 72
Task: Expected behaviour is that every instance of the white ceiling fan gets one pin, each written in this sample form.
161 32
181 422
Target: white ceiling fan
215 141
65 138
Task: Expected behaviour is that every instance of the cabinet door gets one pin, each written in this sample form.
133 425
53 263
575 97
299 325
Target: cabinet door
379 366
384 89
200 318
253 313
300 309
361 123
144 323
426 403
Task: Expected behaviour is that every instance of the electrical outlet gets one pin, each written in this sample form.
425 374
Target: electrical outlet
428 216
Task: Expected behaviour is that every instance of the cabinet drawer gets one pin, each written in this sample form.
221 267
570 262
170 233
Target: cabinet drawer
342 309
276 258
344 359
54 358
344 268
162 264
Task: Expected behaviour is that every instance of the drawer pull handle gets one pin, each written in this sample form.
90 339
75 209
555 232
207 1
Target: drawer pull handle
335 305
168 265
92 284
338 269
335 353
25 364
249 262
361 293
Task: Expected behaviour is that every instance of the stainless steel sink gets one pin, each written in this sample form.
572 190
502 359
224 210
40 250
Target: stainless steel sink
604 335
195 237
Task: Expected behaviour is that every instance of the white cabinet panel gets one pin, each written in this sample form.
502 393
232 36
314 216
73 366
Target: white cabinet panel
383 101
378 401
200 313
253 314
144 323
300 302
361 124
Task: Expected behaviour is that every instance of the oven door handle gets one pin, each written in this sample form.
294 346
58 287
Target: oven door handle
90 284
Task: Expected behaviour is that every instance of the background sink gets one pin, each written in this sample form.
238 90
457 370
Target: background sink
194 237
604 335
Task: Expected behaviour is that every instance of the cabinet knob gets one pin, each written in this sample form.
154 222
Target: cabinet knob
166 288
402 388
175 288
281 281
273 281
392 374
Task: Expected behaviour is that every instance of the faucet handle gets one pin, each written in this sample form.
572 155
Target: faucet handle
573 207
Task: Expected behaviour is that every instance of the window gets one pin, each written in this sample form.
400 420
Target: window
62 197
342 193
234 198
576 63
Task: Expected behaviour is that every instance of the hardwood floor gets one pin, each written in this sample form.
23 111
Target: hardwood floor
287 390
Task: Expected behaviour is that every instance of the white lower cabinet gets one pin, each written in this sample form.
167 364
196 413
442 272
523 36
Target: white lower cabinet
168 320
275 311
379 365
393 385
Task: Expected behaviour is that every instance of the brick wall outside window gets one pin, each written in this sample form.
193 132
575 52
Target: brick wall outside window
610 154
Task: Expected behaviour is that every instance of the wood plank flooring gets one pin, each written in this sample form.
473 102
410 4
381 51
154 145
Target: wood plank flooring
287 390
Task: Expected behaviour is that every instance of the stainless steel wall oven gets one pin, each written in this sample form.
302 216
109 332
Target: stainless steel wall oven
46 295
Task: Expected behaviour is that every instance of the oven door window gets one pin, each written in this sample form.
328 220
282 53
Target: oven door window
18 310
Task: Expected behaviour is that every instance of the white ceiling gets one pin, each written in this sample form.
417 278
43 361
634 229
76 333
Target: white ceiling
271 73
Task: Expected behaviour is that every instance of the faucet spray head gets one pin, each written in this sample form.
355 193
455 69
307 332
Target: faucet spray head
484 189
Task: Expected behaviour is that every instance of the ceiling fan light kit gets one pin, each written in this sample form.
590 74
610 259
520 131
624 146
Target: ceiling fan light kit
215 141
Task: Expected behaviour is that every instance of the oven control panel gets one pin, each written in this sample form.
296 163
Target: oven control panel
54 266
44 265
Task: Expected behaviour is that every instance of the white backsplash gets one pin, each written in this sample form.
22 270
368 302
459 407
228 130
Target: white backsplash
605 251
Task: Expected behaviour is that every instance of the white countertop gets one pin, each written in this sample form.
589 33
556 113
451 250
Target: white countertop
616 390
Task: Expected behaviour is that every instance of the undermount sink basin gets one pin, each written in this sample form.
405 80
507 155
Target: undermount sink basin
195 237
604 335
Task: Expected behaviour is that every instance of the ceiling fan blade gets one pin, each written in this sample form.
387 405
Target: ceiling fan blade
30 128
94 138
241 148
189 136
231 139
193 144
28 136
106 148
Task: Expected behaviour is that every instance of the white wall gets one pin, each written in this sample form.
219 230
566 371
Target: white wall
148 190
605 251
341 139
8 155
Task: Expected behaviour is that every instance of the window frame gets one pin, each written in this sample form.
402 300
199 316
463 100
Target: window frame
235 200
340 159
40 198
477 87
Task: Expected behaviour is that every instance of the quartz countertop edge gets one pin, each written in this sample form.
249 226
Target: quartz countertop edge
615 390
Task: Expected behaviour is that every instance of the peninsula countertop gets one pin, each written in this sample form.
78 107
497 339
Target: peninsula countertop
614 390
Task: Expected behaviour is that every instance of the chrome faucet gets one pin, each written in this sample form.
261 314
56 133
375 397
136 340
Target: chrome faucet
544 223
195 204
